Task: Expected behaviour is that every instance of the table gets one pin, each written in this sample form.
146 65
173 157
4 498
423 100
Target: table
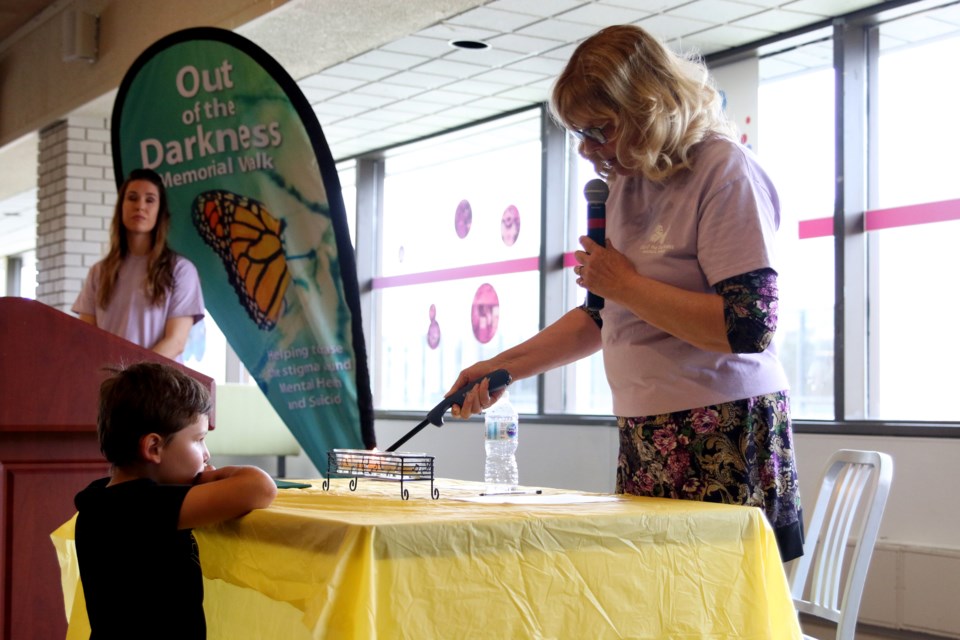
368 564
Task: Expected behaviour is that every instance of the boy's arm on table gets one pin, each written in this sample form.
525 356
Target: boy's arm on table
222 494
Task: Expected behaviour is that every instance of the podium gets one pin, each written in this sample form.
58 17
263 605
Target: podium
51 367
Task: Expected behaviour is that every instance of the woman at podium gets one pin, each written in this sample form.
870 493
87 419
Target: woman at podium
142 290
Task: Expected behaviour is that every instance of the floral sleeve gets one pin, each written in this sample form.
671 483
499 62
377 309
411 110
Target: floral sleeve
750 305
593 313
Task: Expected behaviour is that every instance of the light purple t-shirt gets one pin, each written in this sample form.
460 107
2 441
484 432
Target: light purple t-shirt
703 225
130 314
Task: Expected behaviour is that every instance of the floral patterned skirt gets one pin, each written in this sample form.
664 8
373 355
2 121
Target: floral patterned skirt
738 452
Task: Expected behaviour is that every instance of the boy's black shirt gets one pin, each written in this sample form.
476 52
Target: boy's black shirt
141 575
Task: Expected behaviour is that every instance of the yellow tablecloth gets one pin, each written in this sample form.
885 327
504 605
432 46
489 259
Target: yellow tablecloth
366 564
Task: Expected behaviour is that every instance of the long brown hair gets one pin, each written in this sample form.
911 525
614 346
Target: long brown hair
160 260
660 103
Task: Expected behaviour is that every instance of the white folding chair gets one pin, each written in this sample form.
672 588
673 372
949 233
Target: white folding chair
849 507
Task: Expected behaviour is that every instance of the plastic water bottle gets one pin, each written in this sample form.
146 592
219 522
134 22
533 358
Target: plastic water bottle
502 428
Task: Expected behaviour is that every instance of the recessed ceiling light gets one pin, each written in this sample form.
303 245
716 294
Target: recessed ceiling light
469 44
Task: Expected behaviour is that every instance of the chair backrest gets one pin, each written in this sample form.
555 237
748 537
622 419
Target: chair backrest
849 507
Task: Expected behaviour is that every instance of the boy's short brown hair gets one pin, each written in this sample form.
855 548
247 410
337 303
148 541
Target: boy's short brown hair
143 398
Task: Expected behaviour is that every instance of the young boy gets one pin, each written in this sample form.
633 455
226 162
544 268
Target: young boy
139 562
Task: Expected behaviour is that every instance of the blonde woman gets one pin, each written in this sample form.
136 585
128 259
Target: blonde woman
689 281
142 290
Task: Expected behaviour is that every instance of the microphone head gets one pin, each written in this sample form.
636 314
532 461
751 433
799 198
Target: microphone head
596 191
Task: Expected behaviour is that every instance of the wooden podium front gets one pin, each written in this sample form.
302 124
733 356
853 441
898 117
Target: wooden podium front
51 367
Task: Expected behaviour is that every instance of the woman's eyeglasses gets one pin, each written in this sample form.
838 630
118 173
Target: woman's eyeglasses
593 133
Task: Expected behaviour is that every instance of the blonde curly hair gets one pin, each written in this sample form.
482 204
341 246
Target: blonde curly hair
659 103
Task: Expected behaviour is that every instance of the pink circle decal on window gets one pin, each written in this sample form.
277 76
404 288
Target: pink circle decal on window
485 313
433 331
510 225
463 218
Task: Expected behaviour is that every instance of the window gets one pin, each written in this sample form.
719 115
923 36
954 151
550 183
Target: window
586 389
347 173
914 221
458 251
795 123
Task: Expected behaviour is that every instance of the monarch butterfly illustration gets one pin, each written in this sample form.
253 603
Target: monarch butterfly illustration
249 241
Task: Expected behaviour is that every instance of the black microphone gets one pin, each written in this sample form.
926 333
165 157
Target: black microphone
596 192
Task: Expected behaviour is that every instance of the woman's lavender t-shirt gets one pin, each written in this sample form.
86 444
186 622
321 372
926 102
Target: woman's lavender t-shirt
130 314
703 225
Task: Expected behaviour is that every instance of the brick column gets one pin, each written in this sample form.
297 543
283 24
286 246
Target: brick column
74 206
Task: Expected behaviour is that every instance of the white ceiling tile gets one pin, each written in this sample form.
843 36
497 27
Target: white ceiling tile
419 79
468 113
410 130
474 88
649 6
388 89
695 45
444 97
359 100
669 27
339 128
719 11
561 30
314 94
490 57
499 104
527 94
418 46
368 122
732 36
450 69
492 19
420 107
828 7
769 4
326 111
561 53
509 77
385 116
544 66
535 7
602 15
358 71
444 120
801 40
917 28
446 31
331 83
373 140
389 59
546 84
522 43
950 13
778 20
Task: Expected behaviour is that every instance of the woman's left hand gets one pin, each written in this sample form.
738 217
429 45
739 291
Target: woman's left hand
602 270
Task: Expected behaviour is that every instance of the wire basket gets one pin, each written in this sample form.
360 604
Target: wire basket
398 467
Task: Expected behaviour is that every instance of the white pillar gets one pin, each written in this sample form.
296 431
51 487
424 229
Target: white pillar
76 195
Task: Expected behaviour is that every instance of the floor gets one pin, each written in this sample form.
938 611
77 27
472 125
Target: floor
824 631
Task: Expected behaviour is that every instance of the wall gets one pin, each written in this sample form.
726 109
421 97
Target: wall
31 100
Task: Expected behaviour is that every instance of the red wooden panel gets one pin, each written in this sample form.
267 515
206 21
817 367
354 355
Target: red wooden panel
38 498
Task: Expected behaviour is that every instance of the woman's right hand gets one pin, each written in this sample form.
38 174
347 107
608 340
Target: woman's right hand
478 398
